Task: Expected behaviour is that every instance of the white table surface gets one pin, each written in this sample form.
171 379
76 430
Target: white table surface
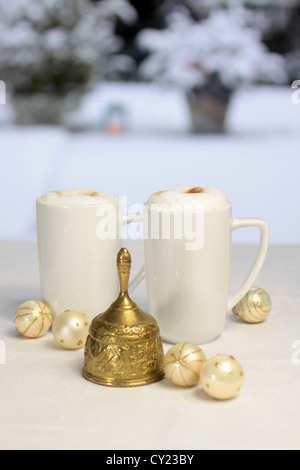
45 403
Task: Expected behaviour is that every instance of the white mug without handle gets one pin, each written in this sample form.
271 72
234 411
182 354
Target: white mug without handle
196 313
77 268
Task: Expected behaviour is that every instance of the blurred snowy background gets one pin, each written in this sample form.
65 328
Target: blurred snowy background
134 97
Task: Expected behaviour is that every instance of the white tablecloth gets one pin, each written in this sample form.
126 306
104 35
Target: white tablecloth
45 403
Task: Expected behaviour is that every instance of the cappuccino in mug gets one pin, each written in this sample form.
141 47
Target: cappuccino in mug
188 237
77 266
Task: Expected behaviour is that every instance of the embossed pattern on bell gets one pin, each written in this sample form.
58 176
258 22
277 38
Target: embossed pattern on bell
123 362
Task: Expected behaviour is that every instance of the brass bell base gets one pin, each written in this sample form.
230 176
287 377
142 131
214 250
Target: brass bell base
114 382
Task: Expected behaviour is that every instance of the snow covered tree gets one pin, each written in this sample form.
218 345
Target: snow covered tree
225 49
277 21
272 18
209 59
55 46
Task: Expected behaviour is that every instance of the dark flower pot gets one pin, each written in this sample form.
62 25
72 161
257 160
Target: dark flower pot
208 109
43 109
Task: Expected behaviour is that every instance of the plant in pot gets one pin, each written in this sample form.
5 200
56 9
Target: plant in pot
52 50
209 60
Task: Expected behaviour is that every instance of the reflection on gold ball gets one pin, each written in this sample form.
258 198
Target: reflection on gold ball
33 319
255 307
222 377
70 329
183 364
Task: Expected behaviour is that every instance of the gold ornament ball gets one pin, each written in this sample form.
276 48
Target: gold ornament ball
183 364
70 329
255 307
222 377
33 319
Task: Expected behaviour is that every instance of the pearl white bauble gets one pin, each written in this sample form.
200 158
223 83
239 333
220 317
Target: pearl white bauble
254 307
70 329
183 364
33 319
222 377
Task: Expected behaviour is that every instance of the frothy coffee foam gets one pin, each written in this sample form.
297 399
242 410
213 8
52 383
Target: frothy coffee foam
78 197
197 197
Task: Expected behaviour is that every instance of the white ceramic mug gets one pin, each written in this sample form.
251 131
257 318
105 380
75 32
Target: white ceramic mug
77 264
188 275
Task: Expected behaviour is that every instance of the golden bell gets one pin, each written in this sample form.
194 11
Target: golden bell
124 347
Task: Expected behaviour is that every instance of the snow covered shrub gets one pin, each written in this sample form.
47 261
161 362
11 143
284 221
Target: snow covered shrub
225 49
55 46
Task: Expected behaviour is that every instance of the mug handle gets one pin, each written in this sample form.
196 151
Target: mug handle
129 219
263 250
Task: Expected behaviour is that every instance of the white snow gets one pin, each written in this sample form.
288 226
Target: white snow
145 107
161 109
262 110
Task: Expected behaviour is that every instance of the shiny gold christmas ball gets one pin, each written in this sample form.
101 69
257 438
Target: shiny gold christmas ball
222 377
255 307
70 329
33 319
183 364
